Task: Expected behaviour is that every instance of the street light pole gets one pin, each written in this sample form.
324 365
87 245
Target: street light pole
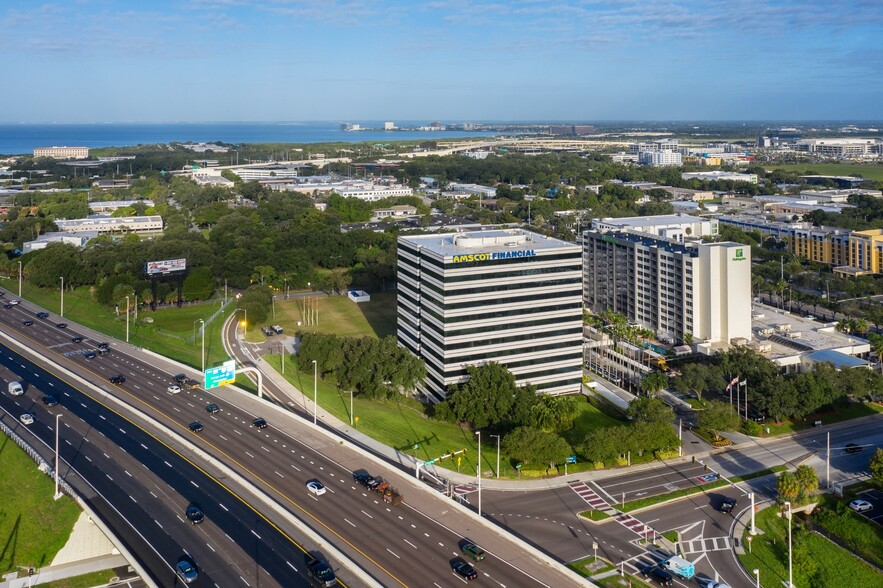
478 471
127 319
315 389
61 314
19 279
57 493
757 575
202 352
351 407
753 528
498 454
790 563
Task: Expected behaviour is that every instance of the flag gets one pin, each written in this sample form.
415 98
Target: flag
733 383
743 382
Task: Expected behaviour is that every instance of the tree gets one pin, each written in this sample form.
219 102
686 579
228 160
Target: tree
486 398
717 417
529 445
551 413
876 467
199 284
807 480
788 487
653 383
650 410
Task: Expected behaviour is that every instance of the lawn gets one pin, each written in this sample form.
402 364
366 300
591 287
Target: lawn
34 527
84 581
853 411
854 530
816 561
867 171
589 418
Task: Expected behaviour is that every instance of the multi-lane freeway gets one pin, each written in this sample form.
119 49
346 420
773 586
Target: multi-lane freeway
243 541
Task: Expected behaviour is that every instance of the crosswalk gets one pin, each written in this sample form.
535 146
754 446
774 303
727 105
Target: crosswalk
702 545
594 500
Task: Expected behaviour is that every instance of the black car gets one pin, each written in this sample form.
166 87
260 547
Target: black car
658 575
117 379
464 570
728 505
366 480
61 325
50 400
89 355
43 315
103 345
212 408
77 339
195 426
27 322
194 514
267 331
7 305
853 448
320 570
259 423
180 378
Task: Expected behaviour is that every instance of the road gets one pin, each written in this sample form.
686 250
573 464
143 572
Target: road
413 544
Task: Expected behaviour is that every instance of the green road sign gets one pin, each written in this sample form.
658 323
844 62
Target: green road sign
221 375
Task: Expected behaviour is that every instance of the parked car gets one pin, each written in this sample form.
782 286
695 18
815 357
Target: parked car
859 505
267 331
464 570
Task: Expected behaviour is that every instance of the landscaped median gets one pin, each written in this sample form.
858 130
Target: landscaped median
642 503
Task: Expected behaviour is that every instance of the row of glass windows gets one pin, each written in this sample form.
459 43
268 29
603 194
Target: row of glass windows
503 287
576 357
512 325
503 340
500 314
537 349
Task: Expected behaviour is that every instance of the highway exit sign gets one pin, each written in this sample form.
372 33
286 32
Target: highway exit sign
221 375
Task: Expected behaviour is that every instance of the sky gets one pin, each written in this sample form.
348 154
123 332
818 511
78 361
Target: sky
448 60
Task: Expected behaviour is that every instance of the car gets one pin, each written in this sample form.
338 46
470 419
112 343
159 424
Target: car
27 418
13 302
77 339
187 570
180 378
473 551
853 448
259 423
194 514
316 488
277 329
7 306
716 584
464 570
173 389
61 325
50 400
103 350
89 355
117 379
658 575
728 505
195 426
366 480
192 384
320 571
103 345
267 331
212 408
859 505
43 315
27 322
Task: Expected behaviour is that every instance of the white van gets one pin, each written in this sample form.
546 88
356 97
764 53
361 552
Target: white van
16 389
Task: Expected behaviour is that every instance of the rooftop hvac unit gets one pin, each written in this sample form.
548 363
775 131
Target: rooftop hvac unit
784 328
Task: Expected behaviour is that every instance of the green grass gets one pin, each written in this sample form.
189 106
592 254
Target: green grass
867 171
84 581
853 410
33 526
618 582
594 515
580 566
338 315
858 533
816 561
589 418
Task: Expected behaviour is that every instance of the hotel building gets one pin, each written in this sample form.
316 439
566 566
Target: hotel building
509 296
674 288
62 152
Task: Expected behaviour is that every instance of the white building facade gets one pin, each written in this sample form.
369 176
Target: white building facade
670 226
513 297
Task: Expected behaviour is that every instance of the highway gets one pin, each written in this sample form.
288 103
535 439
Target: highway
411 544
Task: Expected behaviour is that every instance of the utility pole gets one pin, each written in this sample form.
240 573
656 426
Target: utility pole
478 471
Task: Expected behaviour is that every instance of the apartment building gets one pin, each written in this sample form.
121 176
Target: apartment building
509 296
62 152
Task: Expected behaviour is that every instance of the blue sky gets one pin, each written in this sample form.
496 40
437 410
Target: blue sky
300 60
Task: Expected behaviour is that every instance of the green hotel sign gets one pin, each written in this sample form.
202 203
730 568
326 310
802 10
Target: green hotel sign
740 255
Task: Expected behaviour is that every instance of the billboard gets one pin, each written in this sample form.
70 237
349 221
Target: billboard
167 266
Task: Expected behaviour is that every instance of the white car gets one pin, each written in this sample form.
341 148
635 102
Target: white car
859 505
174 389
13 302
28 419
316 488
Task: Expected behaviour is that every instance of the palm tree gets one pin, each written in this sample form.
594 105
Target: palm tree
877 348
861 326
653 383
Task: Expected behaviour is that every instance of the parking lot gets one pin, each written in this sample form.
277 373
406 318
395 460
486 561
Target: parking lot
875 497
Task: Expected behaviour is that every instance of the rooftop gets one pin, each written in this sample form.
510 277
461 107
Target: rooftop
493 241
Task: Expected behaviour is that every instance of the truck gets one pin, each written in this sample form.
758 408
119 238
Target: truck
390 495
680 567
16 389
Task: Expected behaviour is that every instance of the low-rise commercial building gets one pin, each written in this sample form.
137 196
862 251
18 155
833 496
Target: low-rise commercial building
78 240
62 152
717 176
107 224
509 296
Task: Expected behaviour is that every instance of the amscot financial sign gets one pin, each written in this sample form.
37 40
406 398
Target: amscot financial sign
519 253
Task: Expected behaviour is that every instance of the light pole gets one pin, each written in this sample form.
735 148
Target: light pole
202 352
19 279
127 319
478 471
57 493
351 407
753 530
315 388
498 454
790 566
757 575
282 356
61 314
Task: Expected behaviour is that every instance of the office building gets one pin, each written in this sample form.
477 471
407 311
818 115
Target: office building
676 289
62 152
717 176
659 158
509 296
107 224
